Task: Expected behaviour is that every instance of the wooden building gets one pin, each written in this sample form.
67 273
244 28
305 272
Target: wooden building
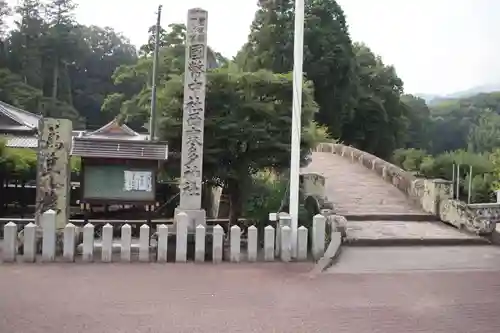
118 166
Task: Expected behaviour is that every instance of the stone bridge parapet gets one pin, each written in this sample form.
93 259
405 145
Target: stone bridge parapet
433 196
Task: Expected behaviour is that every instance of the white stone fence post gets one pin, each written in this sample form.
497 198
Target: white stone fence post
125 249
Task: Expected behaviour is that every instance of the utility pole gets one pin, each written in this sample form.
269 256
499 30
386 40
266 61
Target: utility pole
152 119
298 54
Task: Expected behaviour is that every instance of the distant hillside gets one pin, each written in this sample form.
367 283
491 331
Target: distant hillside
433 99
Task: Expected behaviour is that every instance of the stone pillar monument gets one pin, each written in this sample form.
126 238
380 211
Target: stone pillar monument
53 169
193 118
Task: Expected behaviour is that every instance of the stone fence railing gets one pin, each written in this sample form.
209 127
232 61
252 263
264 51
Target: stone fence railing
434 196
169 243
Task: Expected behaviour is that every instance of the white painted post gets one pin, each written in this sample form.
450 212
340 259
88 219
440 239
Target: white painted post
126 242
252 243
302 243
107 243
286 244
162 243
273 218
69 242
283 220
269 243
235 246
217 244
199 252
318 236
88 243
9 242
48 223
182 221
29 246
144 243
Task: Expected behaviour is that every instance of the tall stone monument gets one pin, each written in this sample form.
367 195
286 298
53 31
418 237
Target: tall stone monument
53 169
194 118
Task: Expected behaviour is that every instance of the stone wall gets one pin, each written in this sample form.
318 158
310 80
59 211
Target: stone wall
432 195
478 218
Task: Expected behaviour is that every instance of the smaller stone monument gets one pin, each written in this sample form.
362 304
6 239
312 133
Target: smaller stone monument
53 169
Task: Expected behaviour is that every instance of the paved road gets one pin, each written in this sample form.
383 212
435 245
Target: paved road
242 298
393 259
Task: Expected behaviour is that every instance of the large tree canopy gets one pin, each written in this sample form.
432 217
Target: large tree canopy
247 126
248 115
379 124
329 60
52 65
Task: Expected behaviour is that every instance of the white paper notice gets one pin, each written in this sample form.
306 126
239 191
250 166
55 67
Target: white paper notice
138 181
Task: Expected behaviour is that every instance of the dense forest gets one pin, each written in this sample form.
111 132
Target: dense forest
52 65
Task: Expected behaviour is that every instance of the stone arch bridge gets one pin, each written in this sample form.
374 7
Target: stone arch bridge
385 205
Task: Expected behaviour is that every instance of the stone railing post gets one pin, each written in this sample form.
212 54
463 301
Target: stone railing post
199 243
269 243
284 219
69 242
162 243
286 244
318 236
10 242
144 236
302 243
218 244
126 242
235 245
88 243
29 246
434 193
181 224
107 243
252 244
48 222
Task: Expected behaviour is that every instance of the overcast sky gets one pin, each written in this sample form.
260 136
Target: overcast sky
438 46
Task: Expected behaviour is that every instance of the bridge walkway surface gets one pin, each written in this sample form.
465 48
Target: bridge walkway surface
377 212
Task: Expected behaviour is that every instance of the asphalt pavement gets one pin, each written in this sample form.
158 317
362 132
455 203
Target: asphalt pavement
273 297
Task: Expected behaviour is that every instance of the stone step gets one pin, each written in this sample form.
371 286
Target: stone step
410 217
398 233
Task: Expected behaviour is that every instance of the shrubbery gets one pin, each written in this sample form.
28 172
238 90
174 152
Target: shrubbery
441 166
19 164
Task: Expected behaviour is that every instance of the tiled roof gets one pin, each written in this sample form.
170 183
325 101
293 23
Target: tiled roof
25 119
114 130
126 149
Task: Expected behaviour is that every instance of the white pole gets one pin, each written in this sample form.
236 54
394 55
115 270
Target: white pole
298 53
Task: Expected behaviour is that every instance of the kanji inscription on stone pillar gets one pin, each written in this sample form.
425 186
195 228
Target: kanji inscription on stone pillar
193 117
54 170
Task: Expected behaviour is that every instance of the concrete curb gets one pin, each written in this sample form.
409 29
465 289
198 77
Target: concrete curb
417 242
331 255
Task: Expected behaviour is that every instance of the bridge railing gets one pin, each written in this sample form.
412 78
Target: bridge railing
433 196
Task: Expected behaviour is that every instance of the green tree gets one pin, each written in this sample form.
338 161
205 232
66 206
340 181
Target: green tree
485 135
61 44
419 121
102 52
379 125
133 82
329 60
247 126
25 42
